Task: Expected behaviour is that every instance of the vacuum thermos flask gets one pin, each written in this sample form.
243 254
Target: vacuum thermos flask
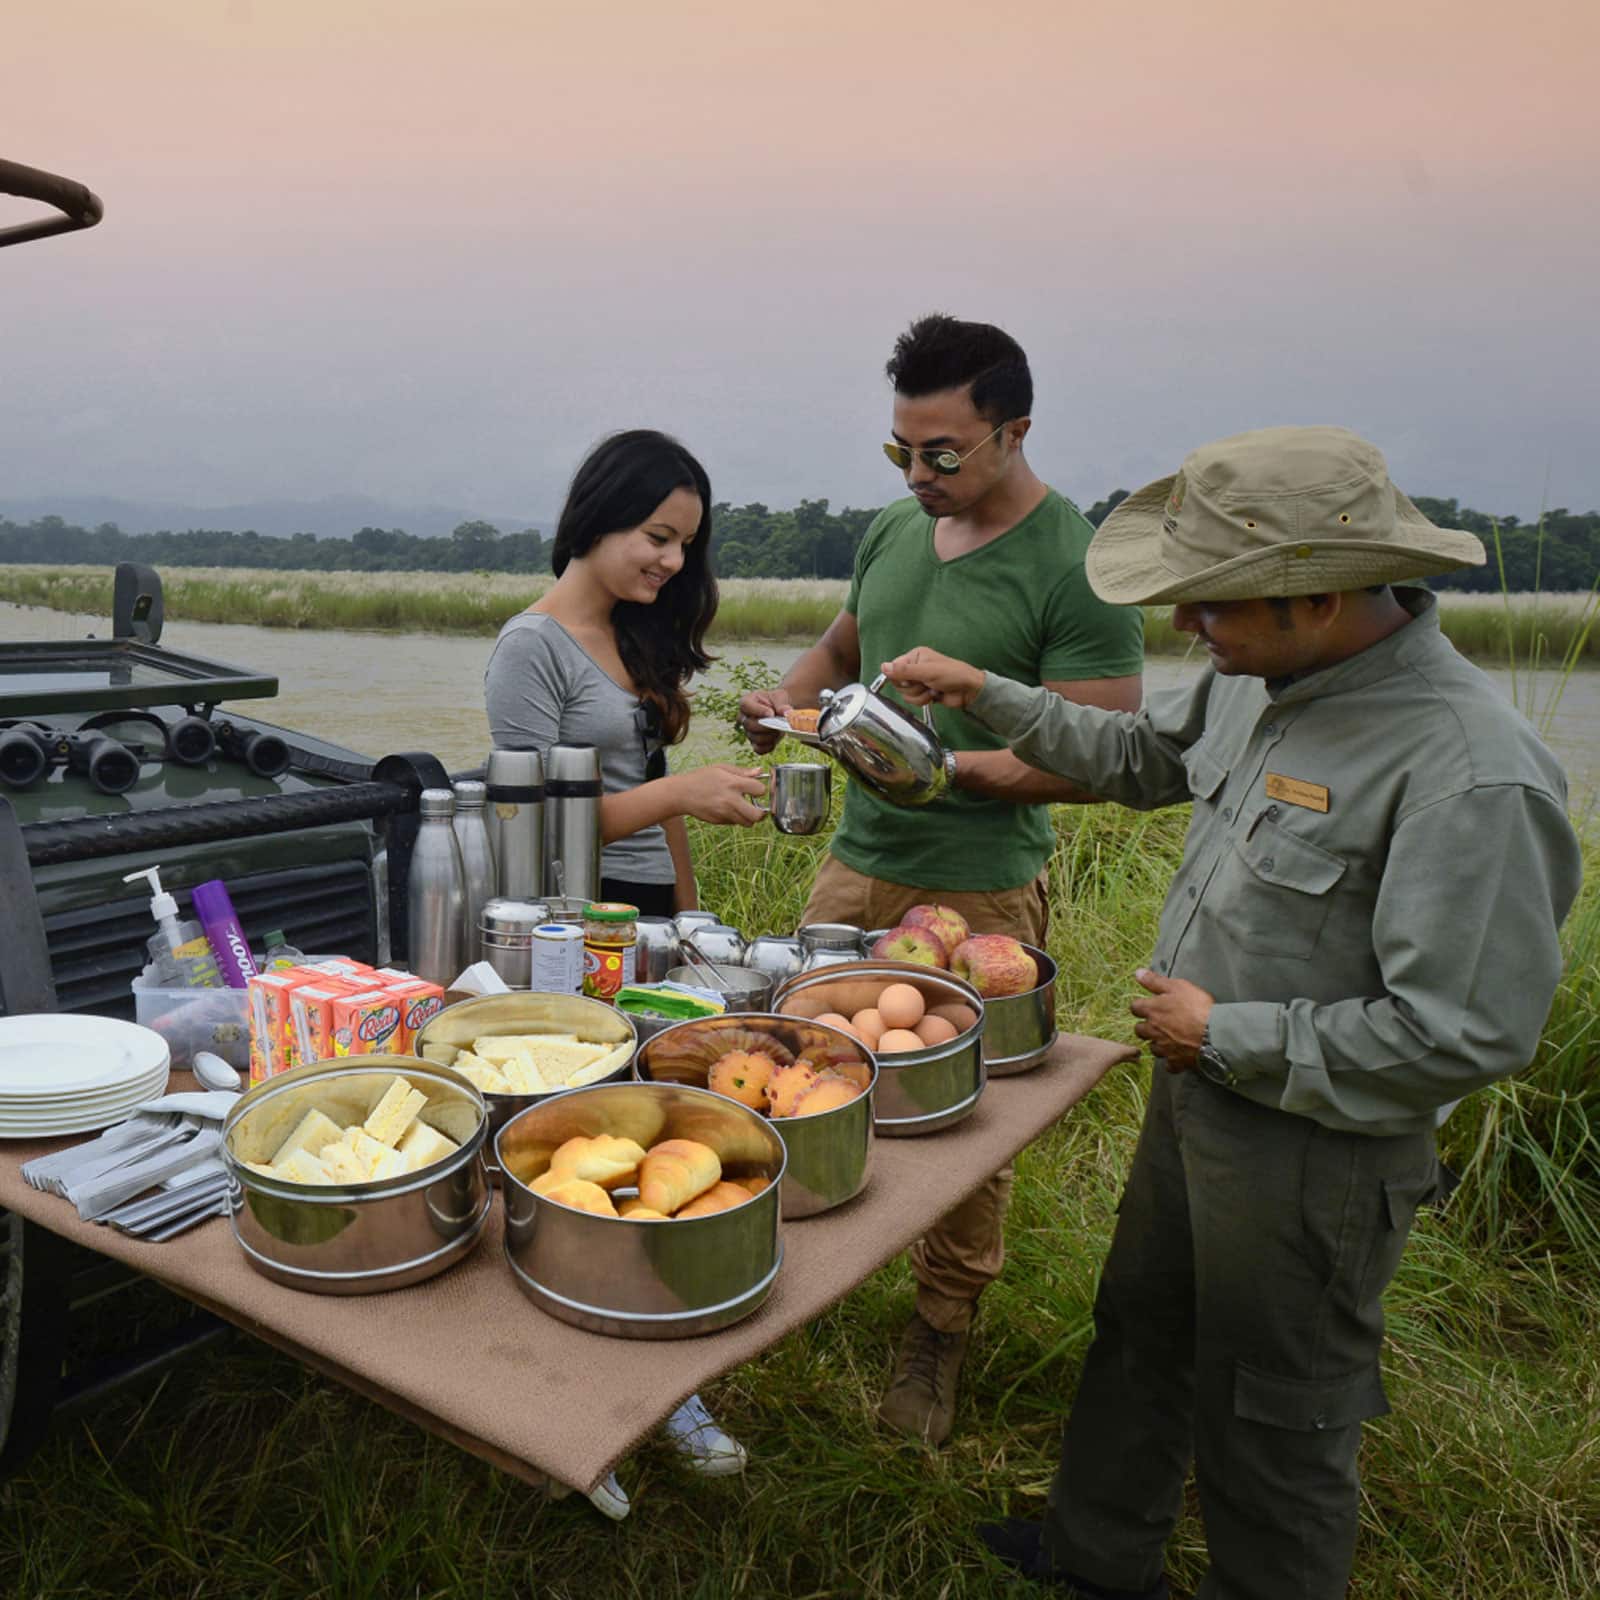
436 893
514 815
477 864
572 821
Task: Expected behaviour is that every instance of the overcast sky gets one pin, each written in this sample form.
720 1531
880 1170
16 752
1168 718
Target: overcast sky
429 250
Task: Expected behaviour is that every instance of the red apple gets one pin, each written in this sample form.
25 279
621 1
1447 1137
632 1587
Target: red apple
995 964
947 924
904 943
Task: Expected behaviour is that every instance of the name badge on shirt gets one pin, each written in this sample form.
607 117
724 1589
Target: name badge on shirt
1297 792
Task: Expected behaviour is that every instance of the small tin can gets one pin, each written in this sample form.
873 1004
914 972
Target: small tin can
610 934
556 965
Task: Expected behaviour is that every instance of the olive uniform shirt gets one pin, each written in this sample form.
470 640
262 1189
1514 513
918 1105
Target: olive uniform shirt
1377 864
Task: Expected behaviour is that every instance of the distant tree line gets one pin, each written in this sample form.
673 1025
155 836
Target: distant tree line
1561 552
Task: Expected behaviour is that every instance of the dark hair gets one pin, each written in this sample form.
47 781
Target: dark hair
622 480
939 352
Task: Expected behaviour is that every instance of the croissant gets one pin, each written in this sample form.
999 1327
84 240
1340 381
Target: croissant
675 1171
604 1159
719 1197
581 1196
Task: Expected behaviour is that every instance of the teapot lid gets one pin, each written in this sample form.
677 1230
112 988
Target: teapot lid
841 707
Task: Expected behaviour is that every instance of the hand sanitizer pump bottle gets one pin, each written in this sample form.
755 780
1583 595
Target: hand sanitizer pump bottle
179 951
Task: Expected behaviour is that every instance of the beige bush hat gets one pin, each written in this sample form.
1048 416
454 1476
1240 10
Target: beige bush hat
1279 511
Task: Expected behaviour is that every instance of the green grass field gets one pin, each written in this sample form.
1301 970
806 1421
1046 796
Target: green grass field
1527 630
246 1475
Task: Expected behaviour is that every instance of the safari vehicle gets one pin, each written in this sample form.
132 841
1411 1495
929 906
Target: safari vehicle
117 754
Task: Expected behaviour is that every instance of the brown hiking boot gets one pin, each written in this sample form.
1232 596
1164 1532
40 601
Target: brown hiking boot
921 1397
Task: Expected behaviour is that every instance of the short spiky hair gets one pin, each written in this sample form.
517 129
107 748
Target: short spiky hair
939 352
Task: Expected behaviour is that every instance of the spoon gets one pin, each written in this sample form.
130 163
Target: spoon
213 1072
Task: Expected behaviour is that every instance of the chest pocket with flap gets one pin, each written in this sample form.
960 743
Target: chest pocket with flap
1280 891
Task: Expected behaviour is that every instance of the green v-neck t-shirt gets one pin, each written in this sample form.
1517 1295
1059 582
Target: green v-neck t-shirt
1019 606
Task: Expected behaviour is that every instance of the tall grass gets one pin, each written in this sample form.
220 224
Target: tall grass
247 1475
1536 630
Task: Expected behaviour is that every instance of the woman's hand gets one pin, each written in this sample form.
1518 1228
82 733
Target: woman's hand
923 675
721 793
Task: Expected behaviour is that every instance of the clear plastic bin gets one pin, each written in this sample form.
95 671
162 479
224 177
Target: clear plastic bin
217 1020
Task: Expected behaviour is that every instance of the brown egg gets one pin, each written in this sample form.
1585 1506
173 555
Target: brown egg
832 1019
901 1006
867 1026
895 1040
961 1017
935 1030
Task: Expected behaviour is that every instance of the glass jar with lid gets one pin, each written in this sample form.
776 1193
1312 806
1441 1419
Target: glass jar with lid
610 937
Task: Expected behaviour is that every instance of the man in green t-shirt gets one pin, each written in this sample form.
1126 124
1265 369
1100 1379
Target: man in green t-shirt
984 562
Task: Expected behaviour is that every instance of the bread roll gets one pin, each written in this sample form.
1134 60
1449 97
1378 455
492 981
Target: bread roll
675 1171
604 1159
719 1197
638 1211
581 1196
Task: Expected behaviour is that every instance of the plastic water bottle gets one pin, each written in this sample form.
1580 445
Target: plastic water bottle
436 893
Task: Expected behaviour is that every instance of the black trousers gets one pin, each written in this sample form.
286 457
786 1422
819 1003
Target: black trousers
1238 1323
650 899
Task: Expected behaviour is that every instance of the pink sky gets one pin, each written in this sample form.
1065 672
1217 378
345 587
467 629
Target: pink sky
431 250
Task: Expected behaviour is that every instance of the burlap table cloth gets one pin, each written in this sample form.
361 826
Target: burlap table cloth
468 1357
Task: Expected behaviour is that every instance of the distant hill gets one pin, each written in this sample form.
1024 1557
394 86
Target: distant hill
336 517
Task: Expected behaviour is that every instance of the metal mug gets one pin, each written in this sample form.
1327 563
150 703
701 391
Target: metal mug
887 749
657 949
718 943
777 957
687 921
801 791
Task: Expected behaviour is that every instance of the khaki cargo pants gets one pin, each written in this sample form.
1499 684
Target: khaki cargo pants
961 1255
1238 1321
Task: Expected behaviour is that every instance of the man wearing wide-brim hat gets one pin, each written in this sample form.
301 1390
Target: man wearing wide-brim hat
1362 931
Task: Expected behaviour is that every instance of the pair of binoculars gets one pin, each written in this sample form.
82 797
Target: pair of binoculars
28 752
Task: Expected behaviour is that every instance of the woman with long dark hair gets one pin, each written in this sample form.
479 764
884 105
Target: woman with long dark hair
603 659
604 656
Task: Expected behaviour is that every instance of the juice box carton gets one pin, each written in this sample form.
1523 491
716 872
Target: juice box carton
419 1000
311 1015
343 967
366 1022
271 1021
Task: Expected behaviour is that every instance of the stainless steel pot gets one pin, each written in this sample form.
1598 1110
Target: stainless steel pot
919 1091
830 1154
741 989
884 746
452 1030
644 1279
1018 1029
356 1238
505 934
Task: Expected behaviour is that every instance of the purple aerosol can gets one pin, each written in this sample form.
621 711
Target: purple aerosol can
226 938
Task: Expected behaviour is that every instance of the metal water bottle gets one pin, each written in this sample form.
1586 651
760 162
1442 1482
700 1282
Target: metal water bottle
572 821
514 816
477 864
436 893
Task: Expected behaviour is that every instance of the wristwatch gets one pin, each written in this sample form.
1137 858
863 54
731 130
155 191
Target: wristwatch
1209 1062
949 769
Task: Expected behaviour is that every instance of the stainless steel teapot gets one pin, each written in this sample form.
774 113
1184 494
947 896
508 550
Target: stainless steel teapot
884 746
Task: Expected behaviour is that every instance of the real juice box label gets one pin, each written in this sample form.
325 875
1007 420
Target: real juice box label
311 1008
367 1023
419 1000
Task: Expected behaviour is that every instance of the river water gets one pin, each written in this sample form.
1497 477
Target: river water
380 692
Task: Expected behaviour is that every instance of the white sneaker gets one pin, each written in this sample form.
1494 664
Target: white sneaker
705 1448
610 1499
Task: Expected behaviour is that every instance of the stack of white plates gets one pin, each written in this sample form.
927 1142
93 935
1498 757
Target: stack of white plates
62 1073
